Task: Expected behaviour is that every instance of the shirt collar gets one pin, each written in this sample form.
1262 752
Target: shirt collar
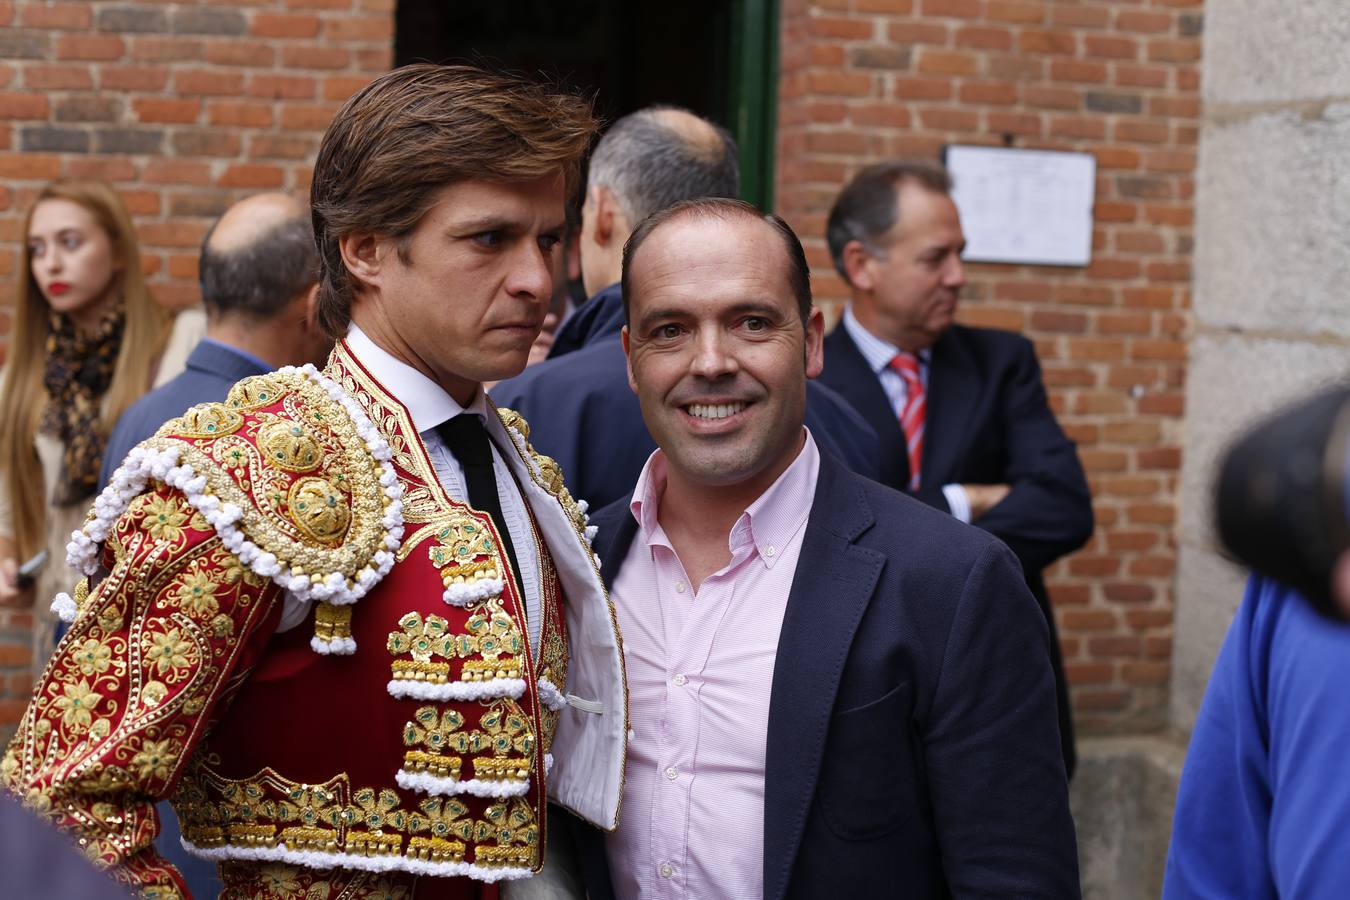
426 401
876 351
262 364
767 525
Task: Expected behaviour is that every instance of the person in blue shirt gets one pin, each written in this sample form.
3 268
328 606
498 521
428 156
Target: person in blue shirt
1263 810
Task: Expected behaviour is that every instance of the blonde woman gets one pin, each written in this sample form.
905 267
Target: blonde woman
86 342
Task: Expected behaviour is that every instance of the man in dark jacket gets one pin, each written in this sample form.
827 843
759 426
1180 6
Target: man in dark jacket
961 412
578 403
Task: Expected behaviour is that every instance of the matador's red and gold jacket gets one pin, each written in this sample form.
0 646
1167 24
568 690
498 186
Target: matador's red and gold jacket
321 658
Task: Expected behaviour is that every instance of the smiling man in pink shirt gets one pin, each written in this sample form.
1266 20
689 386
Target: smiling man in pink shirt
833 687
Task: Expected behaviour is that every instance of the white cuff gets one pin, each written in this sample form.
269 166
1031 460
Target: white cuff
958 501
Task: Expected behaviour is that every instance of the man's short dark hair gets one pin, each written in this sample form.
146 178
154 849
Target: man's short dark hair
258 279
649 165
869 205
401 139
798 271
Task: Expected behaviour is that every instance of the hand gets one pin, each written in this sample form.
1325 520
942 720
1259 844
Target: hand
10 592
542 344
984 497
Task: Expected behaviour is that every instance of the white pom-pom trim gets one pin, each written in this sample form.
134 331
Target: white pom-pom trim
468 593
458 690
445 787
333 647
64 608
550 696
144 465
317 860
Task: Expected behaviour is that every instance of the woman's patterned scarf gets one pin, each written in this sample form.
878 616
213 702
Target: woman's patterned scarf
79 369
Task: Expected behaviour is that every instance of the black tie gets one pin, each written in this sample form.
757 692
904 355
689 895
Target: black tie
466 438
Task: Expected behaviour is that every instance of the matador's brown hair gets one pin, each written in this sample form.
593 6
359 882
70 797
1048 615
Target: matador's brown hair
411 132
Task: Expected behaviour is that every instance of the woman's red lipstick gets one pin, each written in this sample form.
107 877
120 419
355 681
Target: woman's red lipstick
57 288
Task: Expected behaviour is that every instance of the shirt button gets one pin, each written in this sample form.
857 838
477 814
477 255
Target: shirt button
680 680
672 773
666 870
769 550
680 587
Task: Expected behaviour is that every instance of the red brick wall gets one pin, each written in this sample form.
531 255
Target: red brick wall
184 107
868 79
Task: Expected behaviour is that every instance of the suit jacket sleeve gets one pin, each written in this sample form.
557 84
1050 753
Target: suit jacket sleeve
996 776
135 684
1048 511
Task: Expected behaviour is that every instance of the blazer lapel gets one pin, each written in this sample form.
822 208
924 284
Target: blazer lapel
831 589
613 539
953 388
848 373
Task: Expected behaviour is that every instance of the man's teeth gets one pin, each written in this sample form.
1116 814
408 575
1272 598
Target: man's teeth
714 410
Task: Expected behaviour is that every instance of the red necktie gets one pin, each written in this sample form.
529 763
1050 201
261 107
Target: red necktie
906 365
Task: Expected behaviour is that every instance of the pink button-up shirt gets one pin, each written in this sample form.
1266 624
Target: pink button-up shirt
700 669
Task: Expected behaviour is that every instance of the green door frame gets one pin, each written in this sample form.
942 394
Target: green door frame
754 95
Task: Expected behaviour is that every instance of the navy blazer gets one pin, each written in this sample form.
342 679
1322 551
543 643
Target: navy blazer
583 413
988 422
212 369
912 745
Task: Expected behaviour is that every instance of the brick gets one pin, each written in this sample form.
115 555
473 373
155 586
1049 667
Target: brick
1080 16
47 78
315 57
1146 672
1190 24
948 119
922 88
1056 376
1069 594
1153 567
236 53
890 7
276 146
911 32
1103 47
23 45
1115 645
375 59
992 93
30 167
1089 673
1089 127
1141 188
141 203
272 25
1125 323
313 117
964 9
133 78
56 16
160 110
166 49
888 57
1169 50
84 108
1089 620
1141 76
984 38
948 62
1116 157
1021 11
47 139
251 175
1169 215
837 142
1094 350
278 87
1051 97
1143 132
352 29
1113 102
1015 68
208 82
183 265
1013 123
173 171
992 317
1169 271
1093 566
247 115
1164 458
1100 700
102 168
1078 71
1060 322
132 19
201 20
1143 22
199 204
23 106
172 234
1160 350
853 84
840 27
1052 42
207 142
880 115
128 140
1099 404
89 46
1174 107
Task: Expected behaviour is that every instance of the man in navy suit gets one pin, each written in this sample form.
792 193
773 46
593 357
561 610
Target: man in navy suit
835 689
577 401
259 275
259 272
961 412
